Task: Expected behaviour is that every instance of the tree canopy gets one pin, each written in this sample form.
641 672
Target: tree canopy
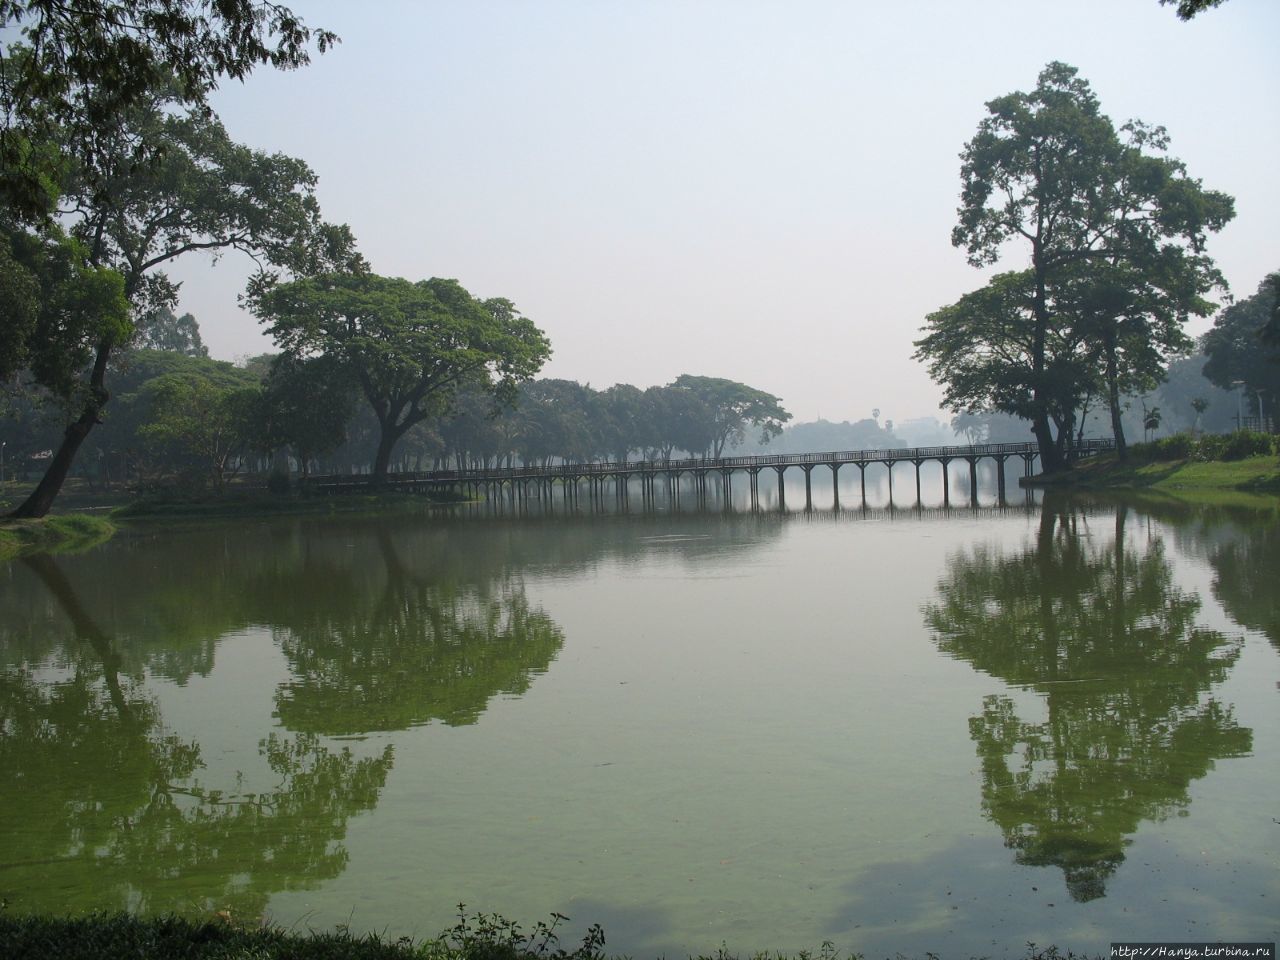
1115 232
86 63
411 347
1240 348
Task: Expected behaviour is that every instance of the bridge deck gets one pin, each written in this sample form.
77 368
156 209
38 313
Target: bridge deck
571 471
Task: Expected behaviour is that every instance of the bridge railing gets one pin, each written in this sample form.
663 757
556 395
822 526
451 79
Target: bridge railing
977 451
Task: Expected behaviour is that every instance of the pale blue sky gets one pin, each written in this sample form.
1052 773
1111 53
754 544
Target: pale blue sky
755 190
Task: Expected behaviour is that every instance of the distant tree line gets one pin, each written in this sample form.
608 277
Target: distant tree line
181 419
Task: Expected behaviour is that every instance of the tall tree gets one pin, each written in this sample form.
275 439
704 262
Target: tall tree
410 346
202 192
1047 168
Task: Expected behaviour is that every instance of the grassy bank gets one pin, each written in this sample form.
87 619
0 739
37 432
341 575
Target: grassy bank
1241 463
57 534
474 938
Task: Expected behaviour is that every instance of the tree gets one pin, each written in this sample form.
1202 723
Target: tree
305 403
1199 405
1189 8
1102 217
620 409
86 63
1239 355
410 346
161 330
1150 420
202 192
992 354
55 308
198 429
554 419
728 408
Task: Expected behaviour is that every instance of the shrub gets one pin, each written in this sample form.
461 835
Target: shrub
1177 447
1246 443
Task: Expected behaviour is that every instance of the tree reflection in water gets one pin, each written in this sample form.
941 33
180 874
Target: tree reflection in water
416 650
99 799
1123 673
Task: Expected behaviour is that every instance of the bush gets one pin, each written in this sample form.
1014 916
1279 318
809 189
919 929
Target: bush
1246 443
1180 446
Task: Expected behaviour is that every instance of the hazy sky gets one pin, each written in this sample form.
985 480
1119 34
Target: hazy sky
763 191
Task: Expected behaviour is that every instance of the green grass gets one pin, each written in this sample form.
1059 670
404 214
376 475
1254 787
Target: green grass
68 533
1255 475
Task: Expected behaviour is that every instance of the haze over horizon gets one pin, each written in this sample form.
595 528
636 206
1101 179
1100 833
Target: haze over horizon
757 191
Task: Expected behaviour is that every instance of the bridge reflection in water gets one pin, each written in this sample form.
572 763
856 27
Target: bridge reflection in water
570 482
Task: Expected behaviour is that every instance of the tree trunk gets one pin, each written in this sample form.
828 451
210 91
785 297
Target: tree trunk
1113 400
46 491
387 439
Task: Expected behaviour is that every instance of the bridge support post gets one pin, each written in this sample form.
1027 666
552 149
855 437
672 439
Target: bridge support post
946 481
782 490
919 500
1000 484
808 486
835 484
973 480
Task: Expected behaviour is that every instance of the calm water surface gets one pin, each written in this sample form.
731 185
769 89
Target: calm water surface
901 730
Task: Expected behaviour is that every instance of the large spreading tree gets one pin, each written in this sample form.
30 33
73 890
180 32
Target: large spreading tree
1115 233
411 347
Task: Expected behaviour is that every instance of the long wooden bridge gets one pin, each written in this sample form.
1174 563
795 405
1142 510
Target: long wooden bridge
531 481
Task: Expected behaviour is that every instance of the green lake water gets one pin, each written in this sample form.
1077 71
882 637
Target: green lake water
897 730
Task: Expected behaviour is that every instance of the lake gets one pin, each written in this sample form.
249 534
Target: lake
954 730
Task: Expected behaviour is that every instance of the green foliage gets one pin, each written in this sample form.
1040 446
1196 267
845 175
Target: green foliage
411 347
55 308
1208 447
1189 8
1238 349
84 64
1116 233
1246 443
200 191
161 330
493 937
197 429
304 404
